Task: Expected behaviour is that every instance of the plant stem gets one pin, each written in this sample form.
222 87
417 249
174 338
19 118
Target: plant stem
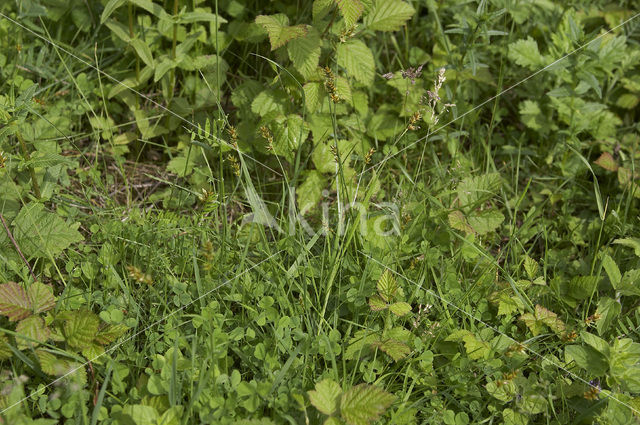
173 48
25 153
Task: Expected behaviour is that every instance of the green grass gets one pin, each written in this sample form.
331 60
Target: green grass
263 224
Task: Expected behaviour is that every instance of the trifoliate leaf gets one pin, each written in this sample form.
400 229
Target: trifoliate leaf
14 301
356 58
304 52
376 303
40 233
35 331
388 15
351 10
364 403
400 308
387 286
325 396
80 328
278 30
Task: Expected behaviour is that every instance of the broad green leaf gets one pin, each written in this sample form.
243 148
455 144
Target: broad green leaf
532 323
110 333
325 396
400 308
109 8
93 352
397 350
278 30
289 135
530 267
630 243
458 221
364 403
508 305
41 297
525 53
343 90
476 349
40 233
597 343
14 301
511 417
629 284
35 331
376 303
52 365
586 358
360 343
549 318
139 414
608 310
174 415
153 8
606 161
356 58
119 31
312 96
473 190
388 15
266 102
162 68
80 328
483 222
321 8
351 10
505 391
143 51
304 52
387 286
581 287
309 193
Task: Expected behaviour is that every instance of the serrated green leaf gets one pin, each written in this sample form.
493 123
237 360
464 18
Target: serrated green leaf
304 52
41 297
80 328
587 358
612 270
93 353
359 343
532 323
549 318
52 365
376 303
525 53
483 222
35 331
476 189
388 15
508 305
289 135
387 286
530 267
400 308
356 58
14 301
266 102
321 8
606 161
110 334
581 287
278 30
364 403
397 350
42 234
351 10
312 96
325 396
309 193
458 221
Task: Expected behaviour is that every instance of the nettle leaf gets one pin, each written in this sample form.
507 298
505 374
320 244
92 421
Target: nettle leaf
80 328
525 53
364 403
356 58
388 15
42 234
35 331
325 397
376 303
304 52
41 297
351 10
400 308
397 350
387 286
278 29
14 301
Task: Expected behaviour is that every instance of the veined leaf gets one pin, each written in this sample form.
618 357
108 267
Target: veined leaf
397 350
40 233
278 30
473 190
387 286
80 328
630 243
35 331
304 52
458 221
110 334
312 93
400 308
52 365
525 53
376 303
364 403
389 15
143 51
14 301
325 397
351 10
119 30
483 222
5 351
606 161
109 8
41 297
356 58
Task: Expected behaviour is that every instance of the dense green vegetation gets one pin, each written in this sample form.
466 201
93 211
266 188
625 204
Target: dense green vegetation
319 212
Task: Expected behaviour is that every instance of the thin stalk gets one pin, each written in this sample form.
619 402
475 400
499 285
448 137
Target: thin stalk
32 171
173 48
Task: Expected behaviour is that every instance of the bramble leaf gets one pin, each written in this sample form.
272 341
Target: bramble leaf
325 396
387 286
304 52
351 10
376 303
389 15
110 334
41 297
278 29
14 301
35 331
525 53
356 58
400 308
364 403
606 161
80 328
397 350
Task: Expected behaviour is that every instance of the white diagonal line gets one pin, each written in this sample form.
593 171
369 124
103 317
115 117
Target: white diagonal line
110 349
494 97
91 65
430 292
